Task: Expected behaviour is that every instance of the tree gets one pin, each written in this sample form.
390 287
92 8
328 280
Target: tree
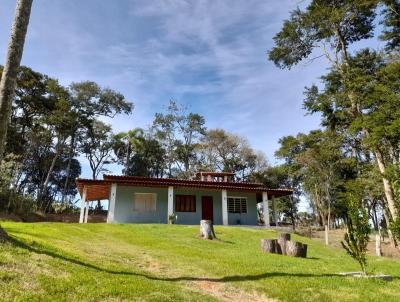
357 91
317 167
9 75
391 21
148 160
179 131
226 152
88 101
125 144
97 146
277 177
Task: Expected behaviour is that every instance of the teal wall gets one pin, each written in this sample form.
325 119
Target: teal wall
250 218
124 212
194 218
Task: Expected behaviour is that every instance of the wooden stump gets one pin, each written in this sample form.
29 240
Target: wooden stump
207 229
296 249
282 241
268 245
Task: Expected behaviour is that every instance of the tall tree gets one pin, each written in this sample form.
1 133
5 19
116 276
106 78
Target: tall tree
179 131
332 27
126 144
97 146
13 59
227 152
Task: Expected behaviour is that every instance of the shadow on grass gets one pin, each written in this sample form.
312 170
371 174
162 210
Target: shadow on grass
234 278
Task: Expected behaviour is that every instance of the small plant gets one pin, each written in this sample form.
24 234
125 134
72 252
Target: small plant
358 230
172 218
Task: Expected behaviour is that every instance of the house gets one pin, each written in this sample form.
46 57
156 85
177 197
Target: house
213 196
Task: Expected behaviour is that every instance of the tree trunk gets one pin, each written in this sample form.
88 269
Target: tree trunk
378 250
47 180
207 229
392 240
386 186
296 249
269 246
13 59
68 170
326 234
281 243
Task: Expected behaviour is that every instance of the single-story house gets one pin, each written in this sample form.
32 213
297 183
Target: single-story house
212 196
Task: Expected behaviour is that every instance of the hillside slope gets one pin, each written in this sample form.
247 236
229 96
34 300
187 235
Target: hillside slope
99 262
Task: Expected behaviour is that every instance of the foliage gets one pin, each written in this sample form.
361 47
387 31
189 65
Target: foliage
391 21
50 127
357 101
179 131
97 146
226 152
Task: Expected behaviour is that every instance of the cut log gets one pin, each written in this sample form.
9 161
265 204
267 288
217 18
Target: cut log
296 249
281 243
207 229
269 245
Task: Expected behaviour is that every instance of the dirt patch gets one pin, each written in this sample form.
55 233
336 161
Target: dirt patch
225 292
66 218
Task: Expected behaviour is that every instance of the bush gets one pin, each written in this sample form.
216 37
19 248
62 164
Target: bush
358 229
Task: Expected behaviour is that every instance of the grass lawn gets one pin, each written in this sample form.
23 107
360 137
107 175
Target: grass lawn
99 262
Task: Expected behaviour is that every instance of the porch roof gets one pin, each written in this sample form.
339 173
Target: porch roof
100 189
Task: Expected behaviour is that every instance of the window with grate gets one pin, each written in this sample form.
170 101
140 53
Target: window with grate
185 203
237 205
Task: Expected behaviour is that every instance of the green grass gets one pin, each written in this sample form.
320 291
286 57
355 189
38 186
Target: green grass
99 262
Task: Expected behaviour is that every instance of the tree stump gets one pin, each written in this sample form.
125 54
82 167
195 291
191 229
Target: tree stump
207 229
282 241
269 245
296 249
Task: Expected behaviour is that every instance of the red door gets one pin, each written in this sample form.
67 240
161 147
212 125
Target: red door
207 208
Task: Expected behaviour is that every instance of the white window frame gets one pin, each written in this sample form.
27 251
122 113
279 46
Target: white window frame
240 207
135 209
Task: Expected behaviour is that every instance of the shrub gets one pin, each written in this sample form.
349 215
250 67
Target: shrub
358 229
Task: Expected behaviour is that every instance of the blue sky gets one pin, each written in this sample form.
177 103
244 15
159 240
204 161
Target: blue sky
209 55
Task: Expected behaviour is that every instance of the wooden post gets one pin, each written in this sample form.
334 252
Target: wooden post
170 202
265 209
83 203
111 204
224 207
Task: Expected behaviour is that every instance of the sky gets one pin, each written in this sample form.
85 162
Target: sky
208 55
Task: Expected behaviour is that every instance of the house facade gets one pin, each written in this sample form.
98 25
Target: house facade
213 196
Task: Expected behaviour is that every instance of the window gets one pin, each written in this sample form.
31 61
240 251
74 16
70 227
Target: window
144 202
185 203
237 205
